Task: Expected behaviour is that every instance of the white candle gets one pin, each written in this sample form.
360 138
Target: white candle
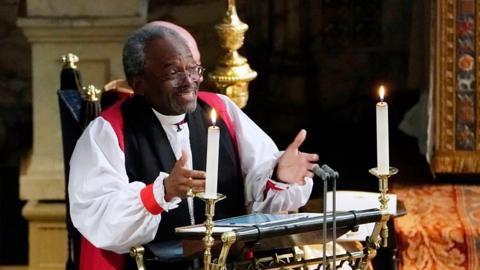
383 165
213 143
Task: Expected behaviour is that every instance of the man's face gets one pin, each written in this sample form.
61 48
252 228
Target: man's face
170 81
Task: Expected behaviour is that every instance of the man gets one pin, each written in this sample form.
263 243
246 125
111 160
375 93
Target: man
133 167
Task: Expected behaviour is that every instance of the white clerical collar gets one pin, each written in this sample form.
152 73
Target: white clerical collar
169 119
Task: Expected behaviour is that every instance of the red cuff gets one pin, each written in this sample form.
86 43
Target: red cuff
148 200
270 185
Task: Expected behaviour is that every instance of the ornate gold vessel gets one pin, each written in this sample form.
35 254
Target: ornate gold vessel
233 73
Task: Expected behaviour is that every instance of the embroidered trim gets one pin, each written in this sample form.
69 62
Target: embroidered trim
271 186
148 200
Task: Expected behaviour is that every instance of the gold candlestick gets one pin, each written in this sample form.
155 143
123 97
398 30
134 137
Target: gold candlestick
208 239
383 198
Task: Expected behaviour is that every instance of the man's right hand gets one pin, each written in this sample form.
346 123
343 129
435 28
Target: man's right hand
181 179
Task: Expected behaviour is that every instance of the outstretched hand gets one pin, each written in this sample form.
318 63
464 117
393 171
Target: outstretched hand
181 180
294 165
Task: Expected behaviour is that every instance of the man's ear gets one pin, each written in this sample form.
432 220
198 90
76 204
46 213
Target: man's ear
138 84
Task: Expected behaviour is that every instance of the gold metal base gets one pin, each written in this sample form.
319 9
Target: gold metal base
208 239
383 198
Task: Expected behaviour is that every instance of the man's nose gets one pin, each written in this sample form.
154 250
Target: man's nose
187 79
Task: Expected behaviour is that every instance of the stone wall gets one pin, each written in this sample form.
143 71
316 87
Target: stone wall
15 131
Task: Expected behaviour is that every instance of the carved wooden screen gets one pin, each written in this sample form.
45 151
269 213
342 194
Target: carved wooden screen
456 87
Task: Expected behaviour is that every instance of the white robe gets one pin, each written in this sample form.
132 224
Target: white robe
107 209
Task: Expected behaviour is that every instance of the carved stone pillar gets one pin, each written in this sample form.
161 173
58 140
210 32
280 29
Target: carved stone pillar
456 103
95 31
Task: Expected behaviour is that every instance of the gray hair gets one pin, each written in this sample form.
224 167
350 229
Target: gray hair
134 48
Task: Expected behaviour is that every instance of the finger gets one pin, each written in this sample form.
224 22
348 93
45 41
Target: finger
196 183
198 190
182 172
198 186
311 157
197 174
298 139
182 181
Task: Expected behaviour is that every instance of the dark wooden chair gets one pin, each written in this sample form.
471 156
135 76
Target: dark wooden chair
79 105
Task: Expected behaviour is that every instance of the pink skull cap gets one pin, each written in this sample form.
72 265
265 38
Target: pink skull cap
192 45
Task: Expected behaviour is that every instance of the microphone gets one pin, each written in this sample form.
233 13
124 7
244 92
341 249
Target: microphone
330 171
320 172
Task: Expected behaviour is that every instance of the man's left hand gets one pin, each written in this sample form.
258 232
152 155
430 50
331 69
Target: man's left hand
293 166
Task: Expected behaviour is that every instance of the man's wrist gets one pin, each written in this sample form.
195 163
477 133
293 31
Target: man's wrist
275 175
166 196
167 202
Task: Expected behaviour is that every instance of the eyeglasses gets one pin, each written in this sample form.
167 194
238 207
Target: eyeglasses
176 77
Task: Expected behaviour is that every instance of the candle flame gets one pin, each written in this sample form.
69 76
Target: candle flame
381 92
213 116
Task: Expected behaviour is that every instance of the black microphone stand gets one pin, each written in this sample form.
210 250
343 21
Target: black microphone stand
324 223
333 175
324 176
